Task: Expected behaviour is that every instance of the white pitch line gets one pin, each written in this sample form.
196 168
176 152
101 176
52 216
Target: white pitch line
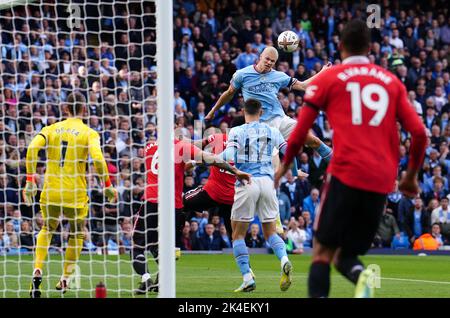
335 276
416 280
412 280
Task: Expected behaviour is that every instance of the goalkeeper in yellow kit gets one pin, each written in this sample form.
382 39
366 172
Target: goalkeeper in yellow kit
68 144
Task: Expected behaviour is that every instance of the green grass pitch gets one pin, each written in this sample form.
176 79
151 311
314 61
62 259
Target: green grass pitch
217 275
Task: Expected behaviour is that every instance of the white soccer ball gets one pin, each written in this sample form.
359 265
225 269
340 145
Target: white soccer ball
288 41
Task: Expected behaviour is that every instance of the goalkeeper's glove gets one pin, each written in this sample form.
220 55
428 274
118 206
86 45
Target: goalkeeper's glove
111 192
29 193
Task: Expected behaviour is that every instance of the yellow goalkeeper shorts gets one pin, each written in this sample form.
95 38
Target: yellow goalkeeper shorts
51 213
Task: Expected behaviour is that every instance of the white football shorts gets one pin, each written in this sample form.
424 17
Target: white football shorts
284 124
258 198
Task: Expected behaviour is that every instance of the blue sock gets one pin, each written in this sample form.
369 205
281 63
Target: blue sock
240 252
277 245
325 152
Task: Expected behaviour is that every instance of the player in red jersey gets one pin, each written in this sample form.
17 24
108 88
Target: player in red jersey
363 103
145 230
218 190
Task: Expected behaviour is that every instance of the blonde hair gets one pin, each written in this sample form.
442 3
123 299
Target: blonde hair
271 49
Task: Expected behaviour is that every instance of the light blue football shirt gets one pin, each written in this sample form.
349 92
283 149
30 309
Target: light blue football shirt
250 146
263 87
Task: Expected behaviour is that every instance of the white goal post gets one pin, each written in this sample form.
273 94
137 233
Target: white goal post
166 175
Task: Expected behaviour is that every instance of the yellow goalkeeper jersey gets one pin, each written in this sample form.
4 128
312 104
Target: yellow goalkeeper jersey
68 145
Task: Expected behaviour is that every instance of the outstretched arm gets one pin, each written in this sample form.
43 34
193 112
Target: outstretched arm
225 98
302 85
221 162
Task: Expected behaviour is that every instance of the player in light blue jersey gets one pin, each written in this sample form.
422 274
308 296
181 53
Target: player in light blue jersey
250 147
262 83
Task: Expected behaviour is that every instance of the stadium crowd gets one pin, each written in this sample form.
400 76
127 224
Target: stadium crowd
110 58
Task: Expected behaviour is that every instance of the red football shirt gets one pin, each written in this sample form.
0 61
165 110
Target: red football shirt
363 103
220 184
184 151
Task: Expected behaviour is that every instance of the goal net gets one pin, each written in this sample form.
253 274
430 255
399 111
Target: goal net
106 50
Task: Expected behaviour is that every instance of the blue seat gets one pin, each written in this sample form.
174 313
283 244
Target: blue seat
400 243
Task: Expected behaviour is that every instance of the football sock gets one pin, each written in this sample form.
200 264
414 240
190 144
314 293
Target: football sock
319 280
240 252
277 245
180 219
73 252
42 243
139 261
284 260
350 267
74 246
325 152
